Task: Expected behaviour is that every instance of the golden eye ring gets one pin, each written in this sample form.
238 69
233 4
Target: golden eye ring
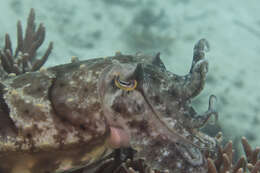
125 85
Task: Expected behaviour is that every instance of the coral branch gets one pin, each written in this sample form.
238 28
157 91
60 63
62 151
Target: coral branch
24 59
224 161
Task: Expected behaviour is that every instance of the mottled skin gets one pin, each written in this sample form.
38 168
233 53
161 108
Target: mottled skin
73 115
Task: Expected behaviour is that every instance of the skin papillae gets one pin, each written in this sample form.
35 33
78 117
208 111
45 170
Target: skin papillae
120 114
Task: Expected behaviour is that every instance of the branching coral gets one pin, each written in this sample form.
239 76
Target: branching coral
24 58
224 162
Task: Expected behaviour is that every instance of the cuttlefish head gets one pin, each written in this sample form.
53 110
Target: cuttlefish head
145 108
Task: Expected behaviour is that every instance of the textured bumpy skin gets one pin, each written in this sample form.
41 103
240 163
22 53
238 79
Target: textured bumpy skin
59 119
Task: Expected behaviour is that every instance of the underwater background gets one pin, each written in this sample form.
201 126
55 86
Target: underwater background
98 28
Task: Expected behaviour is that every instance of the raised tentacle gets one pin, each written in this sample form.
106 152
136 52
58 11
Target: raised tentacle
199 120
190 85
195 80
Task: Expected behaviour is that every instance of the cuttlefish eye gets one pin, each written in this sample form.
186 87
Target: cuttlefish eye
125 85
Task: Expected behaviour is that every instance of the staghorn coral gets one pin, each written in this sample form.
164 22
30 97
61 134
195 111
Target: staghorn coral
224 162
24 58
